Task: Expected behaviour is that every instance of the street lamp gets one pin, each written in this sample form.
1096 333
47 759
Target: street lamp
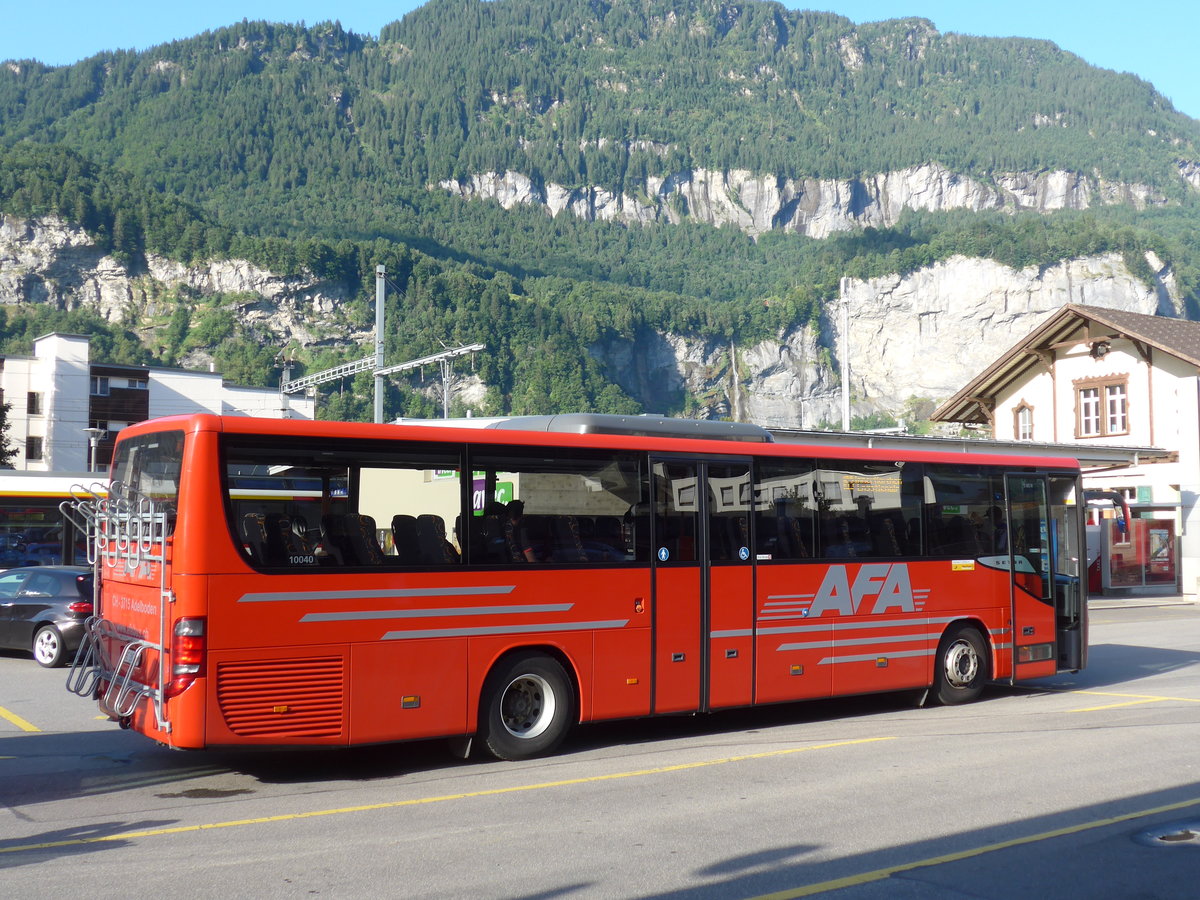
94 435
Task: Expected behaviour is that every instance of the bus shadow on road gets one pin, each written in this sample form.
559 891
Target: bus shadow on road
50 845
1098 850
51 767
1116 665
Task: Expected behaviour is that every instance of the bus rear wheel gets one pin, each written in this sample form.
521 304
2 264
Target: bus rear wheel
527 707
962 666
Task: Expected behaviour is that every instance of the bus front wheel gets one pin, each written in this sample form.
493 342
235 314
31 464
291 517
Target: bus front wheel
962 666
527 707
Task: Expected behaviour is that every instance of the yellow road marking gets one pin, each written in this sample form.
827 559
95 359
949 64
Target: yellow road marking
420 801
881 874
17 720
1119 705
1134 700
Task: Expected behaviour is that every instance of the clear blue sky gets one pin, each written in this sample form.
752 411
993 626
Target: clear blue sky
1153 39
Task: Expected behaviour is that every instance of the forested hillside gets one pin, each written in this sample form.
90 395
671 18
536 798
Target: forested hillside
316 150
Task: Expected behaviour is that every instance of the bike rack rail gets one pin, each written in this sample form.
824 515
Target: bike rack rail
127 533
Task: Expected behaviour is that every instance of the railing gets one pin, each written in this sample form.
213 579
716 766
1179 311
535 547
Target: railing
126 534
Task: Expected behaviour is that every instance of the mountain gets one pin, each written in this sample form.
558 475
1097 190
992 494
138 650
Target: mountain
579 183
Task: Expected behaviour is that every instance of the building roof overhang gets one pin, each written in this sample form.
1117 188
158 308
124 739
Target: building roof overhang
1071 326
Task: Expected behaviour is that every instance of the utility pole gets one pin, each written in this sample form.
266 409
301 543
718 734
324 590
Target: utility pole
380 290
845 302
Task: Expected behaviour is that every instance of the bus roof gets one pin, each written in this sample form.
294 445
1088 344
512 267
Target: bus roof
589 430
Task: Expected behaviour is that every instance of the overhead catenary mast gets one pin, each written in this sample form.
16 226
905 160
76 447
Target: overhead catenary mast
374 363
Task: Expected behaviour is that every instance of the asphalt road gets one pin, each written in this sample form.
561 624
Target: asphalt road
1077 786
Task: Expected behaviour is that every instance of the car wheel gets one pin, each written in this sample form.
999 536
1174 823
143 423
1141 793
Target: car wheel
962 666
48 647
527 707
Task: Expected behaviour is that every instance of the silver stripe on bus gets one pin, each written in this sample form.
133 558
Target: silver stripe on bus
806 645
431 613
396 594
797 629
820 624
895 623
862 642
482 630
840 625
871 657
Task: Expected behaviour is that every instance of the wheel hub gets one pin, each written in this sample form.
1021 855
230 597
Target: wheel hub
527 706
962 663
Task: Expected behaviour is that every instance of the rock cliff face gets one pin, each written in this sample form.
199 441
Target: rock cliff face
918 335
810 206
47 261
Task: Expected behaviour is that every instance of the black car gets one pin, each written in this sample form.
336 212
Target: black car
43 608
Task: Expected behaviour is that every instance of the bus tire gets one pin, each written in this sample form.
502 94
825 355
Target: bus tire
962 666
527 707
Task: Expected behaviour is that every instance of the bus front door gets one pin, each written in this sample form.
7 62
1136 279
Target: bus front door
1031 571
703 584
1067 556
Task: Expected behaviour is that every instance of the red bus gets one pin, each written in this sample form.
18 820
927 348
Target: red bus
275 582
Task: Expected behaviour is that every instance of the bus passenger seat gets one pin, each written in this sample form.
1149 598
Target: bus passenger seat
568 545
608 531
254 536
363 546
404 539
333 538
431 536
283 543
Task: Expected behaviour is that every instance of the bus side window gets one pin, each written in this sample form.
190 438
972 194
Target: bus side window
784 510
552 507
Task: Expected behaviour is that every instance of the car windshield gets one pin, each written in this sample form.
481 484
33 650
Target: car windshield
84 584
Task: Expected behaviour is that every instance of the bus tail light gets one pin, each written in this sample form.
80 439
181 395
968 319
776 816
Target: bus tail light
187 655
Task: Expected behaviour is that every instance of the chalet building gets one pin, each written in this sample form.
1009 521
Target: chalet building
1094 376
64 407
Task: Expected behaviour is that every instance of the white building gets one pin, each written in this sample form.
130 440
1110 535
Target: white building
58 394
1098 376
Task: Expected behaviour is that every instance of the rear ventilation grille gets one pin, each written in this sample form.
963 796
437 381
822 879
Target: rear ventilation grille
292 698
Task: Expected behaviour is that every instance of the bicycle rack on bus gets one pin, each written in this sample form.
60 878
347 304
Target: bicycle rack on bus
127 533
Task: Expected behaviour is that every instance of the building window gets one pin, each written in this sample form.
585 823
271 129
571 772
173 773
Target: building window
33 448
1116 409
1089 412
1102 407
1023 422
99 385
33 403
140 384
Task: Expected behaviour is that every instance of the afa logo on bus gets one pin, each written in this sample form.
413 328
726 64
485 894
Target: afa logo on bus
876 589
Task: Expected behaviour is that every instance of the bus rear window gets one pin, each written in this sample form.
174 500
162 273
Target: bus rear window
149 466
